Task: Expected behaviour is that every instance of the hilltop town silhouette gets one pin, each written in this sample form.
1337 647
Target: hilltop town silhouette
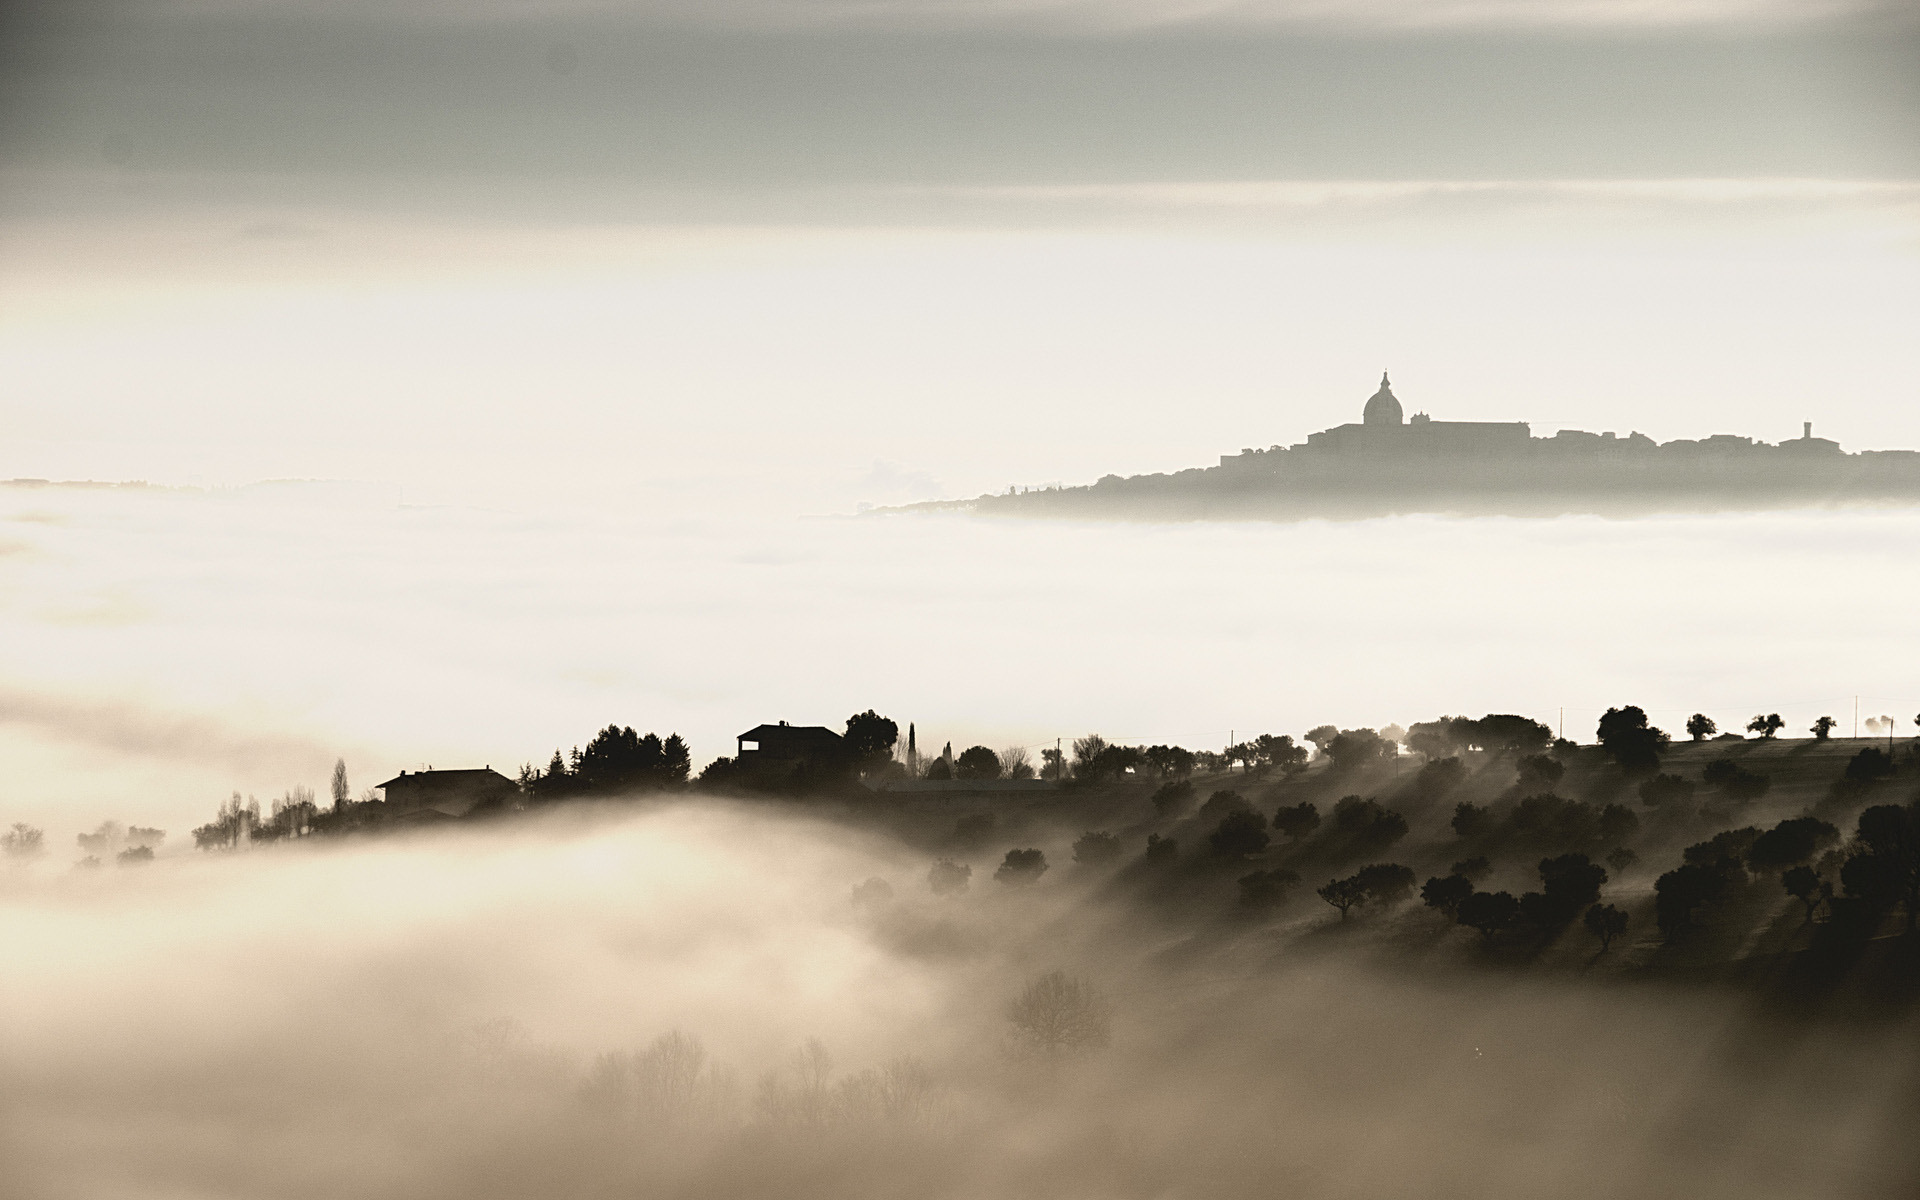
1387 463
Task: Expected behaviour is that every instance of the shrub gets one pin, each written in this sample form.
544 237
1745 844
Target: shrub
1173 798
1296 822
947 878
1022 868
1096 847
1665 789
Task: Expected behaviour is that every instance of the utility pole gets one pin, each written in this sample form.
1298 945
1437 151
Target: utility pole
1856 716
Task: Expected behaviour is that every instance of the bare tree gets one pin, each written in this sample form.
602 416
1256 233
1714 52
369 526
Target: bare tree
23 841
1060 1014
1014 763
342 794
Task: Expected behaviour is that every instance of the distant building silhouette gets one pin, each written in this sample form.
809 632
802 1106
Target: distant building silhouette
1386 463
447 793
772 746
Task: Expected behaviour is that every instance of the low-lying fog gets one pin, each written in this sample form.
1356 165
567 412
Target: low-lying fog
167 649
514 1010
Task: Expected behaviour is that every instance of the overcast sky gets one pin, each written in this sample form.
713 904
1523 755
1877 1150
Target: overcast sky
737 263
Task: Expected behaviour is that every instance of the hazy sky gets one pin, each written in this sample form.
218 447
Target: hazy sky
704 270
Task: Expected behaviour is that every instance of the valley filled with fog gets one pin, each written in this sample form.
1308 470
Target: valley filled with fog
168 648
495 1010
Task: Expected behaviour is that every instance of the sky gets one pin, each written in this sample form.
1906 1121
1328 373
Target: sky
616 314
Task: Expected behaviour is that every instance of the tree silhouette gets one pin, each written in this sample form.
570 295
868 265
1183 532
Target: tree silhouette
1539 773
1343 894
1680 894
1169 762
1365 827
1572 881
1279 752
342 793
621 760
1870 764
1096 847
1488 912
1353 748
1385 883
1803 884
1445 892
1700 727
1630 741
1886 867
870 739
948 878
23 841
1735 781
1822 727
1161 849
1766 725
1474 869
1795 840
1173 797
1438 777
1022 868
1605 922
1471 820
1296 821
1665 789
977 762
1240 833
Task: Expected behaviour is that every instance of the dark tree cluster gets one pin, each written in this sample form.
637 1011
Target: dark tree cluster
616 760
1242 833
1496 733
1666 791
1173 798
1569 885
1437 778
1884 869
1539 773
1377 883
1362 826
1734 781
1096 847
1295 822
1630 741
1351 749
1022 868
1549 822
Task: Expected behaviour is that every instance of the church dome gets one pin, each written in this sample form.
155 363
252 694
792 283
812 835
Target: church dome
1383 408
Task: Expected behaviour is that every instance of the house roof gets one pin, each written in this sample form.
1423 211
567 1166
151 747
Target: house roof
763 733
469 777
